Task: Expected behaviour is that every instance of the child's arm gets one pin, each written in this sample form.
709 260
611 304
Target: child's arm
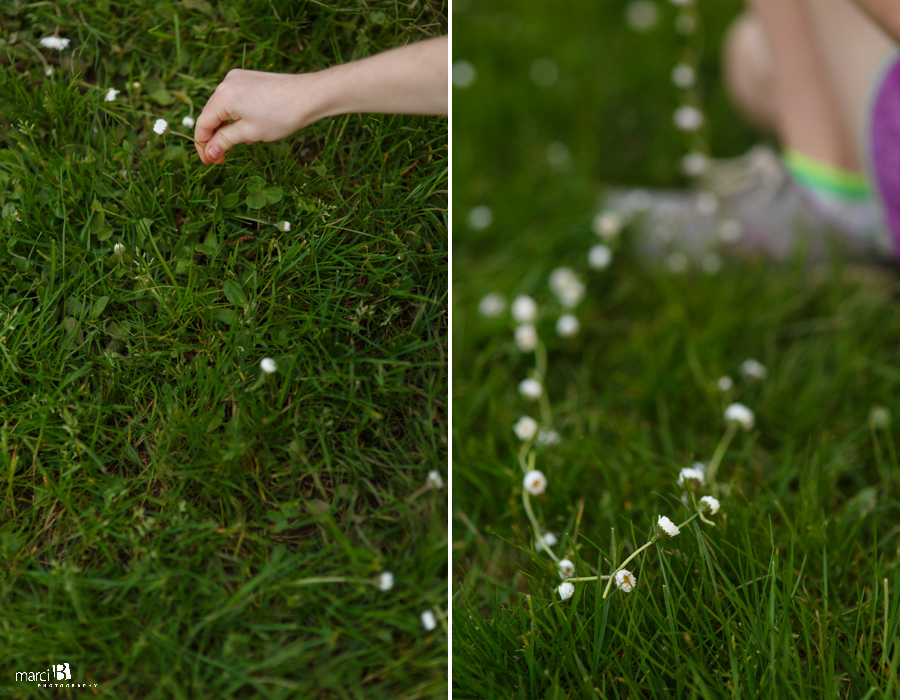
885 12
264 106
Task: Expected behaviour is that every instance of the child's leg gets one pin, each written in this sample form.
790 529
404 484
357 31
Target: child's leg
807 110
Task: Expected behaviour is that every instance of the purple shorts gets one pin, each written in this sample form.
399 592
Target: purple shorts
884 143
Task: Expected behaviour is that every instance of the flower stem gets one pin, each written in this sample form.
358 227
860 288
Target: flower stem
185 136
537 528
720 452
585 578
621 566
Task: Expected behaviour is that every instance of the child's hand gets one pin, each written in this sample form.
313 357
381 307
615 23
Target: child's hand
253 106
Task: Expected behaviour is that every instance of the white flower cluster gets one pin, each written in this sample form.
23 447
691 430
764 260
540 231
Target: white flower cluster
55 42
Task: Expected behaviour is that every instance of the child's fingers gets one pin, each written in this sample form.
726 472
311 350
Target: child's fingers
225 138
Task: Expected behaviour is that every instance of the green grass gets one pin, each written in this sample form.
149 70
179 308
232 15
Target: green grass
785 596
166 508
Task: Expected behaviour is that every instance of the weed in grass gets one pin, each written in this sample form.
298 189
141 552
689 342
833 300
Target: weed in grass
177 519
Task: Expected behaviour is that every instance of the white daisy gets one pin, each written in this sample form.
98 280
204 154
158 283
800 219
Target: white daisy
566 590
547 437
118 249
160 126
599 257
694 164
526 428
641 15
625 580
188 122
283 226
684 76
724 383
526 337
711 503
480 217
55 42
739 413
268 365
667 526
566 568
753 369
111 95
531 389
607 225
691 474
463 74
567 326
524 309
492 305
688 118
428 620
535 482
434 479
385 581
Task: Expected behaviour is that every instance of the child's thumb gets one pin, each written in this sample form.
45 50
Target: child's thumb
225 138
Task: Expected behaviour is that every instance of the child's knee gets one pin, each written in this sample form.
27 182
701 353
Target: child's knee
750 70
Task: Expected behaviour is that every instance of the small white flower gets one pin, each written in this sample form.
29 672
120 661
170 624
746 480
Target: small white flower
567 326
685 24
739 413
561 278
599 257
492 305
188 122
752 369
711 503
434 479
571 295
16 215
694 164
49 71
118 249
625 580
547 437
730 231
684 76
691 474
677 262
283 226
160 126
531 389
463 74
55 42
268 365
566 568
524 309
879 417
544 72
385 581
566 590
111 95
526 337
526 428
607 225
667 526
535 482
688 118
428 620
558 154
641 15
136 85
550 539
480 217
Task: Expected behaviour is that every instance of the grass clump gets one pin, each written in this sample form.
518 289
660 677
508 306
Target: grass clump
177 522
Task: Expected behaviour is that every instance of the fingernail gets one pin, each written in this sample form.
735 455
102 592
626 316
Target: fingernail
213 152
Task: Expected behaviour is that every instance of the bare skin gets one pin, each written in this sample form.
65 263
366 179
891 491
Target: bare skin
805 68
250 106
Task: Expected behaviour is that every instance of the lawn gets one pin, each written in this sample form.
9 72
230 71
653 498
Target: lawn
176 522
793 588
